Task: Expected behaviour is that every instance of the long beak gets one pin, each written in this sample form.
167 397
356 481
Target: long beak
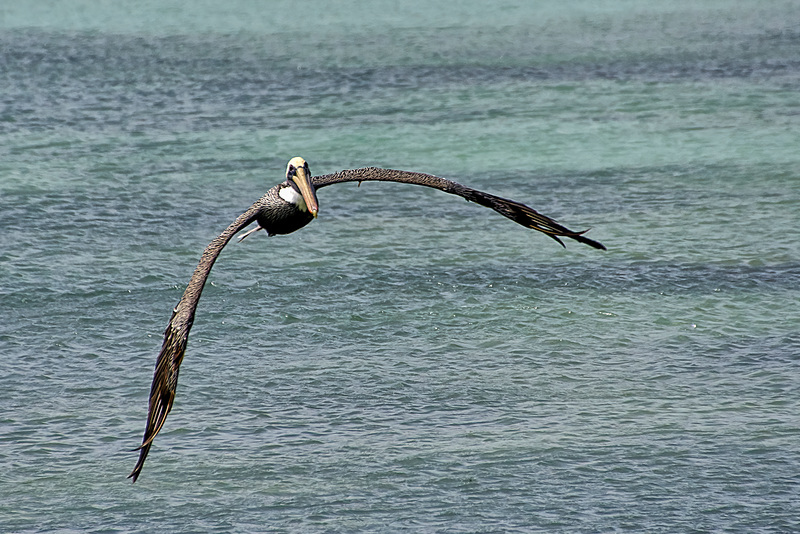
303 182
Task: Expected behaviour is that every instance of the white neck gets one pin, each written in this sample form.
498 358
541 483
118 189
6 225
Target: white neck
293 197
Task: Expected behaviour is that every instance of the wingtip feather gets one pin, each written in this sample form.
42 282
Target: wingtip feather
591 242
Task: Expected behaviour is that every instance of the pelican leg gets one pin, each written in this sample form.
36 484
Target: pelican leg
256 229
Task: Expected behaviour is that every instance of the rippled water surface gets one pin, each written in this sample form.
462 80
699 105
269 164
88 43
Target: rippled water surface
407 362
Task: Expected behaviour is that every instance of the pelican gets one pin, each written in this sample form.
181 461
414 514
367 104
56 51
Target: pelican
285 208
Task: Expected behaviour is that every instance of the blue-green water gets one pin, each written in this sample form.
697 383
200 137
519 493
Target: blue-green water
408 362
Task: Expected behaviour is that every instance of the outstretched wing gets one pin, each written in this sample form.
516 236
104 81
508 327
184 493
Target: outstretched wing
516 211
165 378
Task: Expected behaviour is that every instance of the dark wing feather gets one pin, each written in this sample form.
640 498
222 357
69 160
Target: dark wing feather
165 377
516 211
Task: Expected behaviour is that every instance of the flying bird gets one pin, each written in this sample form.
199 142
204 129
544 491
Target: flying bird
285 208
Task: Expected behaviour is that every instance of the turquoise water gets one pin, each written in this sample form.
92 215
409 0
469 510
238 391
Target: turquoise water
408 362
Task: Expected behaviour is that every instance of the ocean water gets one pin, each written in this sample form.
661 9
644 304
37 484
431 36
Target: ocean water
408 362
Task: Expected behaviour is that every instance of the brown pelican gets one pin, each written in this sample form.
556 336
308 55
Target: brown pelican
283 209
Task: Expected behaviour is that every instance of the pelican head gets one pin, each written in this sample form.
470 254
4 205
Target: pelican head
299 177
